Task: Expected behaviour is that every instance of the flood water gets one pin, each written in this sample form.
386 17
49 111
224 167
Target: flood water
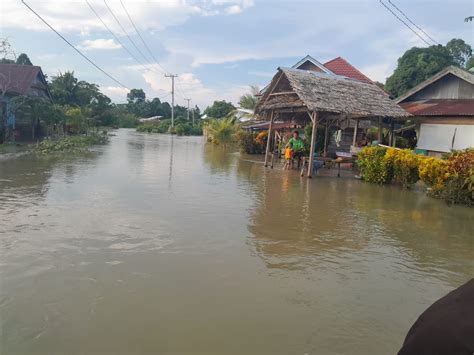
165 245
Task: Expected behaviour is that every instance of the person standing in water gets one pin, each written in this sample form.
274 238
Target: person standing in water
297 145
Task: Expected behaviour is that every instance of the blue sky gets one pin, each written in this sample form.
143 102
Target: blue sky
219 47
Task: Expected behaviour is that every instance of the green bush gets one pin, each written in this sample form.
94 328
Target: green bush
182 128
248 142
405 165
459 185
70 144
373 165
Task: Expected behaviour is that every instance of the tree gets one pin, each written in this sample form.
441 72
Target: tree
470 63
250 100
23 60
460 51
136 96
223 131
417 65
219 109
6 51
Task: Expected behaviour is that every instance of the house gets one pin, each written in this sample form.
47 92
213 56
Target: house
443 106
17 80
325 100
337 66
342 134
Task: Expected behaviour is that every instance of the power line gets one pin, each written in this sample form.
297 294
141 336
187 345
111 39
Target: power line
413 23
143 41
115 36
73 47
402 21
125 32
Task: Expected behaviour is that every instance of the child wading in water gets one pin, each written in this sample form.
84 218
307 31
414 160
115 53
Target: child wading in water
289 153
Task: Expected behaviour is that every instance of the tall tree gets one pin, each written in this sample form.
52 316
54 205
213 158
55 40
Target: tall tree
470 63
418 64
219 109
415 66
23 59
136 95
460 51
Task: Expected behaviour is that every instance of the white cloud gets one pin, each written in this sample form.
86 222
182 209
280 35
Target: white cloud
116 93
188 85
99 43
263 74
234 9
380 71
77 17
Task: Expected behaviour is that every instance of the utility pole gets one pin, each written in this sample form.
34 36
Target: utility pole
188 106
193 117
172 76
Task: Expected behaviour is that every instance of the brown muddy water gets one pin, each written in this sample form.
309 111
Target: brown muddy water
165 245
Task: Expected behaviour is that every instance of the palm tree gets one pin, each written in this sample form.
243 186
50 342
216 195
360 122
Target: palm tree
250 100
222 131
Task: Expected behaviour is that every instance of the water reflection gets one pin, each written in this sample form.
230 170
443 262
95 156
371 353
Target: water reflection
299 223
166 231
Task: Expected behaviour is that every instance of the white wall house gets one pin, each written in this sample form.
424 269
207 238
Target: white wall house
443 107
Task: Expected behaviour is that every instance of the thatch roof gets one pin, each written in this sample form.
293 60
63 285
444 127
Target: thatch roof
293 89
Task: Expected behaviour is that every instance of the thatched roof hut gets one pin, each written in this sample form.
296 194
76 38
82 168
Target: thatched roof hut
302 95
294 90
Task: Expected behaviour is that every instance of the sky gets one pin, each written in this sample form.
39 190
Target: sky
220 47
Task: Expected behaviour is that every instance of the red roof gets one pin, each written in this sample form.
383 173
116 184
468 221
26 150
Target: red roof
340 66
440 107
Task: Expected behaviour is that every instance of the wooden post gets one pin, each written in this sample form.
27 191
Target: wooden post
380 133
269 138
313 143
326 131
391 134
354 139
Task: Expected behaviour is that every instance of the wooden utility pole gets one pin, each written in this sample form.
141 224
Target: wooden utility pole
188 106
172 76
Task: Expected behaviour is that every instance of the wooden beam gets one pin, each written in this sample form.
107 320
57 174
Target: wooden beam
269 138
354 139
326 132
380 132
283 93
313 143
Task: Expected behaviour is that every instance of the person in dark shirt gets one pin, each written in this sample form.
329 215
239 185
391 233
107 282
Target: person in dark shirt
446 327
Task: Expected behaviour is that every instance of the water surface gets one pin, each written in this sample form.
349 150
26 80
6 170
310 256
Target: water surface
165 245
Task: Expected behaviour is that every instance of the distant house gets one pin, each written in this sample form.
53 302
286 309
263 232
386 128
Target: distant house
17 80
337 66
443 106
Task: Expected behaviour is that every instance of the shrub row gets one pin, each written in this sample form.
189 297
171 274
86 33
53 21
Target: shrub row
69 144
451 178
252 142
181 128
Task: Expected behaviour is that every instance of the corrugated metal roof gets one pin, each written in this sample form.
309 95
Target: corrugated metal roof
440 107
18 78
